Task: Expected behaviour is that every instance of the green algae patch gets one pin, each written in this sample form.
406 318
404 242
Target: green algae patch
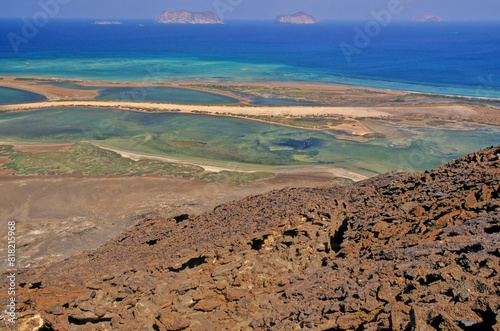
87 159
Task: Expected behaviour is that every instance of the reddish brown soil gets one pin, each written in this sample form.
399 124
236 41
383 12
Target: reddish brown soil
42 148
5 171
59 216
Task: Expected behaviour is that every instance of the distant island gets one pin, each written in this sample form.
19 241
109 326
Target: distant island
107 22
297 18
185 17
427 18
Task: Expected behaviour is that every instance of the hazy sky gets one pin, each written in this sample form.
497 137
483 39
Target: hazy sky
254 9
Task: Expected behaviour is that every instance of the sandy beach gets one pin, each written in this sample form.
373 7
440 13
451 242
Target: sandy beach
221 109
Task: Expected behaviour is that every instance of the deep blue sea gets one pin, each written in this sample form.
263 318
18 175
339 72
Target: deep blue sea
448 58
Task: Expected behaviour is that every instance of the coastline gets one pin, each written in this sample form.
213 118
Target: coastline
377 99
341 81
188 83
350 115
354 120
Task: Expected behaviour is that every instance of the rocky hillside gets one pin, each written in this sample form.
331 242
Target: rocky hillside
401 251
185 17
298 18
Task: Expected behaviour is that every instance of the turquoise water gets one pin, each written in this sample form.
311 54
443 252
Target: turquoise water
450 58
244 141
10 96
164 94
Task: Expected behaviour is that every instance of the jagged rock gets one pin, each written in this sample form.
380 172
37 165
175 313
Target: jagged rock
400 316
172 322
146 309
207 305
234 294
470 200
56 310
387 293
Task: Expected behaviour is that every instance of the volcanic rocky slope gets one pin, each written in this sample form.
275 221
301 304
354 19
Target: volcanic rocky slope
400 251
185 17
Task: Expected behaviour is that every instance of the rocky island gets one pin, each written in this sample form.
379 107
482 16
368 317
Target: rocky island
427 18
107 22
297 18
185 17
401 251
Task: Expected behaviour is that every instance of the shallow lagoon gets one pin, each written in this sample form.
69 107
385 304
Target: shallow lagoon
174 95
245 141
9 96
161 94
164 94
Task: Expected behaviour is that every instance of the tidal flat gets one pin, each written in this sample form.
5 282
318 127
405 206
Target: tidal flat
243 141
